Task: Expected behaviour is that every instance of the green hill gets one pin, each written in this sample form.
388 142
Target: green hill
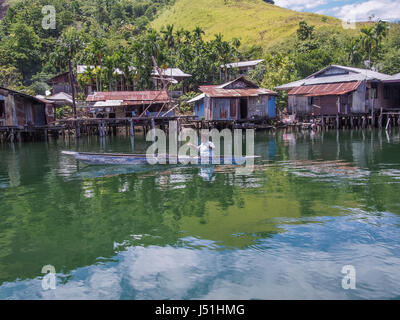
252 21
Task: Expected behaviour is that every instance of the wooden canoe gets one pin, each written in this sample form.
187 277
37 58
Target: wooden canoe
142 159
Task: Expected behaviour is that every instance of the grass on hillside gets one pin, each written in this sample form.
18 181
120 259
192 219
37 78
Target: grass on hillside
254 22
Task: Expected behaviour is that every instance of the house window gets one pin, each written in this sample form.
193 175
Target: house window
374 91
386 92
1 109
310 101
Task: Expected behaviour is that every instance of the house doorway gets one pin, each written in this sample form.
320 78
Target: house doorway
1 109
2 113
243 108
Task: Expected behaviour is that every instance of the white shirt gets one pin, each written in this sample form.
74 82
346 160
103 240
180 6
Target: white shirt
205 148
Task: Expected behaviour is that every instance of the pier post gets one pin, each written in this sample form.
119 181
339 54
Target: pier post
372 118
337 121
380 119
153 128
101 129
364 120
12 136
77 129
388 122
131 128
323 122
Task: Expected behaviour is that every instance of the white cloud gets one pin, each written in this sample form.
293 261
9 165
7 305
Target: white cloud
359 11
300 5
383 9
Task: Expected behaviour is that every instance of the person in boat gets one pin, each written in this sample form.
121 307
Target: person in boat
206 151
205 148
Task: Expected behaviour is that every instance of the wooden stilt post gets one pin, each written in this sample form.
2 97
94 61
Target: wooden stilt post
388 122
364 122
372 116
153 128
12 136
380 119
178 130
101 133
338 112
77 129
132 128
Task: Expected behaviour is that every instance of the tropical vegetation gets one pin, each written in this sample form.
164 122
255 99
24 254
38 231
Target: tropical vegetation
107 35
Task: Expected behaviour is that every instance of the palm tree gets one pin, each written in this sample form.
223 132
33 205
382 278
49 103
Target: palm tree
368 40
169 40
353 52
70 42
111 62
96 50
198 32
372 37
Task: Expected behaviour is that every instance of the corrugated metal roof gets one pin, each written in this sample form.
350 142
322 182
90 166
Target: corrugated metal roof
138 96
39 99
395 79
220 91
60 96
290 85
333 89
172 72
216 92
369 73
354 74
242 64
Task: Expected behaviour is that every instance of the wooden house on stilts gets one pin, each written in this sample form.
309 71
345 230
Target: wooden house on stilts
343 93
236 100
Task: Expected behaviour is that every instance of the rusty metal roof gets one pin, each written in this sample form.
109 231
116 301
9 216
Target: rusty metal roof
138 97
22 94
332 89
217 92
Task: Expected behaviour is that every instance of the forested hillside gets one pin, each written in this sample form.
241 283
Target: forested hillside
110 34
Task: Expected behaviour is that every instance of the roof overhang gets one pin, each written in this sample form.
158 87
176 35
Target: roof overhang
213 92
198 98
108 103
332 89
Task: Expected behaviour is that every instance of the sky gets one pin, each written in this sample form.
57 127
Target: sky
354 10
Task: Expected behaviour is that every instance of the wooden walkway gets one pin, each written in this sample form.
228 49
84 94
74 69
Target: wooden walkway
383 119
110 126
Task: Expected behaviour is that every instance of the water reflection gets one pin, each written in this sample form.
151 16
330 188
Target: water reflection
314 202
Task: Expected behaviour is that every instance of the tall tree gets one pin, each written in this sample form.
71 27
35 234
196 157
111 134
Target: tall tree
68 45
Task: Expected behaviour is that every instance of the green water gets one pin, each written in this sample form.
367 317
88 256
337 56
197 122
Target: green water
314 203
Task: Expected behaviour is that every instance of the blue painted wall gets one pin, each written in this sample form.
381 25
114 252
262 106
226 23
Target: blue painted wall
199 109
271 107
